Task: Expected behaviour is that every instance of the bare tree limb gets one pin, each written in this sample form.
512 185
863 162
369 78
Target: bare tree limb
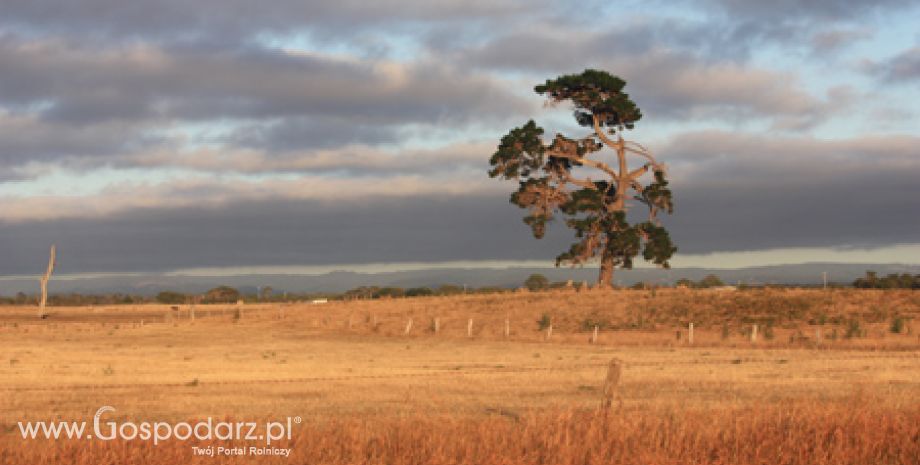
44 283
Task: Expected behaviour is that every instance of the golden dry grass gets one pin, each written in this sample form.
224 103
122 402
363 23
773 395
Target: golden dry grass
375 395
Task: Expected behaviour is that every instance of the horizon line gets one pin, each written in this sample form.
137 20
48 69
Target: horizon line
891 255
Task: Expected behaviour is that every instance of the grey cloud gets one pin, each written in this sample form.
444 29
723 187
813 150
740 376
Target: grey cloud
87 102
832 40
816 27
789 192
143 81
901 68
24 138
280 232
780 10
236 20
303 133
666 83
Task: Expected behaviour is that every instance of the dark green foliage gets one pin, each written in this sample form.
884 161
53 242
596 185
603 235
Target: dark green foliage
221 294
710 281
768 333
418 291
519 153
450 289
594 93
897 325
544 322
536 282
852 329
169 297
390 292
588 324
892 281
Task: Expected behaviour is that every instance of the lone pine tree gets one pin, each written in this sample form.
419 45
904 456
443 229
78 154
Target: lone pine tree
552 181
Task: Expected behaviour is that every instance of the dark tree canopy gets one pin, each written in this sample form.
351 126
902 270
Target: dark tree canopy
596 209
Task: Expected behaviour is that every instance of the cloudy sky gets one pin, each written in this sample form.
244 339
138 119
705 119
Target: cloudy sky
163 135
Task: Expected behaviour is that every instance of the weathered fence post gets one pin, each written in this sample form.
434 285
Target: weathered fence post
614 370
690 334
44 283
594 336
754 333
469 328
437 325
507 328
549 331
409 326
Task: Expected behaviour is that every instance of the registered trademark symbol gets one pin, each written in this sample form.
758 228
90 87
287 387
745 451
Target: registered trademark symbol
297 420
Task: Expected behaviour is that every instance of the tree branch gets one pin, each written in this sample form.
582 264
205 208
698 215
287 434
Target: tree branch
585 161
586 183
636 173
640 150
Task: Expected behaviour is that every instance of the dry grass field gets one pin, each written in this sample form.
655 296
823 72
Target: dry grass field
825 381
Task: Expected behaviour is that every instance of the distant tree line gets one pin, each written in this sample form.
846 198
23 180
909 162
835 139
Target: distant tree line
534 282
74 299
892 281
707 282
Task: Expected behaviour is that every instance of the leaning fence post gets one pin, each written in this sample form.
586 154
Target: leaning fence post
409 326
44 283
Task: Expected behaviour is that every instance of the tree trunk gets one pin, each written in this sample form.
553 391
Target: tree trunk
605 279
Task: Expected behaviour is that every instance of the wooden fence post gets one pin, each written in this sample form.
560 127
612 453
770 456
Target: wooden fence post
594 336
469 328
507 328
549 331
754 333
437 325
690 335
44 283
409 326
614 369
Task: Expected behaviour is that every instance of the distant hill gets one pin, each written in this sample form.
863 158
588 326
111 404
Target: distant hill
338 281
